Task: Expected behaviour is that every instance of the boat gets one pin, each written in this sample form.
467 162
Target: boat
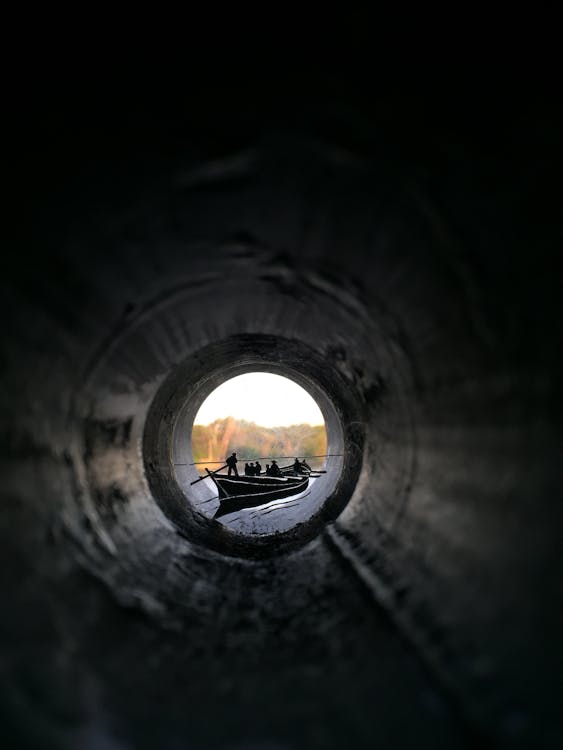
253 494
246 485
263 496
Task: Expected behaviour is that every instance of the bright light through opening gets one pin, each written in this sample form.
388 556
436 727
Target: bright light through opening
259 445
259 415
260 397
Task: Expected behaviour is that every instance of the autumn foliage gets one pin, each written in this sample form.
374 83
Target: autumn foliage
214 441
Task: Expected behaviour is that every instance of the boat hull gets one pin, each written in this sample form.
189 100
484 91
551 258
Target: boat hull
244 485
254 499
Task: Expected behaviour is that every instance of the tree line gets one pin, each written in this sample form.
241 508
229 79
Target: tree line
212 442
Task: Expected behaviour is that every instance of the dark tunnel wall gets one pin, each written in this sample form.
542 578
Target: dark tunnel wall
416 264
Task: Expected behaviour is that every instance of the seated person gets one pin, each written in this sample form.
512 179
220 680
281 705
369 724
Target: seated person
268 470
275 470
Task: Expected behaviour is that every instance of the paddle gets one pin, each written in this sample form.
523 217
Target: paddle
209 473
305 473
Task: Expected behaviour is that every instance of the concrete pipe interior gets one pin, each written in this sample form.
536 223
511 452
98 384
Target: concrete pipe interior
383 261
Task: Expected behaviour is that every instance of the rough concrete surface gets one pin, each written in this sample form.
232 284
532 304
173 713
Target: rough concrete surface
412 257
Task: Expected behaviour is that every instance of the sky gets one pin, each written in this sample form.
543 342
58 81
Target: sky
269 400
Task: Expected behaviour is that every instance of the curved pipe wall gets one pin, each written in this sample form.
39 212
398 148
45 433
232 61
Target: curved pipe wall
420 589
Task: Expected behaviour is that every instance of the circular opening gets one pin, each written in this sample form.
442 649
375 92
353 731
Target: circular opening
259 443
212 500
170 442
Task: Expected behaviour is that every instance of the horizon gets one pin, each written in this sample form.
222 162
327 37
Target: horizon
214 441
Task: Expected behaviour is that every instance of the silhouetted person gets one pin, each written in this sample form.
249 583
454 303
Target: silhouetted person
232 464
268 474
257 469
275 470
251 470
298 466
247 469
306 466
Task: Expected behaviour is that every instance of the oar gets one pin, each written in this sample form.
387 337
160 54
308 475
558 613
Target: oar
209 473
309 471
